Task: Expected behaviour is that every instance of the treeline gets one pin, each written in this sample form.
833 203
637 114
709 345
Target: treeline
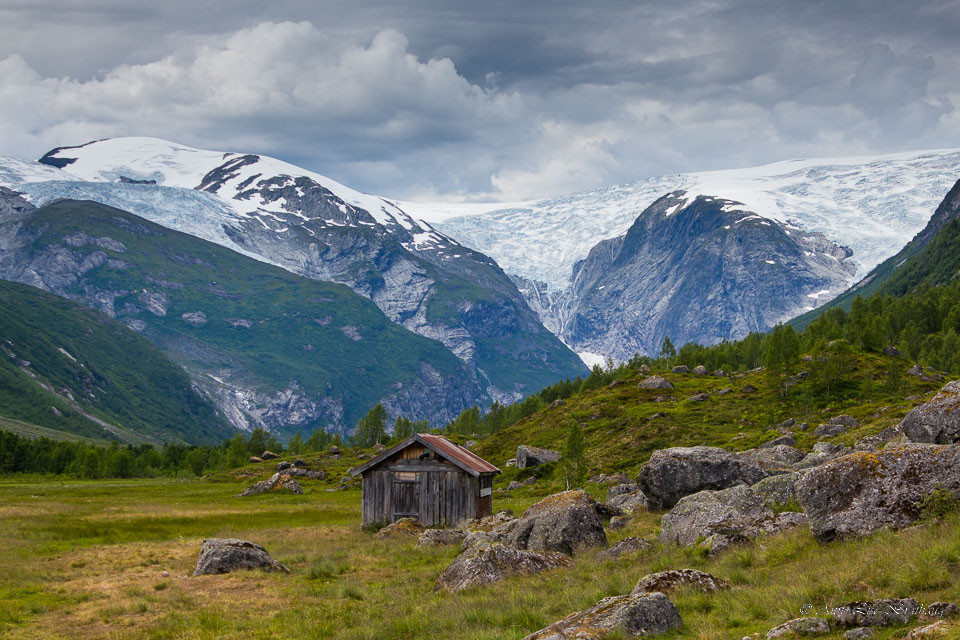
84 460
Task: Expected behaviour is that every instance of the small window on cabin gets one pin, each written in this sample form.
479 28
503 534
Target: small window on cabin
406 476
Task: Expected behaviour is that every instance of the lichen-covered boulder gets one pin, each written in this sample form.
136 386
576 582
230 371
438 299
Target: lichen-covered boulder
860 493
937 421
655 382
402 528
673 473
627 545
635 615
620 489
281 482
939 611
666 581
629 502
778 490
885 612
528 456
485 563
799 627
439 537
719 519
566 522
223 555
775 458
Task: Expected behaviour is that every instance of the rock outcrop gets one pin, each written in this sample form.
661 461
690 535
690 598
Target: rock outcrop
223 555
674 473
799 627
634 615
861 492
876 613
402 528
666 581
280 482
655 382
486 563
528 456
565 522
937 421
440 537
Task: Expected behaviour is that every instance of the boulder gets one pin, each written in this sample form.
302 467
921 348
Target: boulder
613 478
283 466
719 519
223 555
700 397
529 481
937 421
299 462
254 459
621 489
777 490
268 455
915 370
680 368
334 450
859 493
700 370
644 369
786 440
514 485
485 563
799 627
724 391
939 611
876 613
627 545
315 474
936 630
629 502
619 522
780 456
402 528
893 351
528 456
438 537
749 388
276 482
557 403
859 633
655 382
565 522
671 474
633 615
666 581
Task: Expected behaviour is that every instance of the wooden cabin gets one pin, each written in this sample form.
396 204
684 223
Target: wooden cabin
429 478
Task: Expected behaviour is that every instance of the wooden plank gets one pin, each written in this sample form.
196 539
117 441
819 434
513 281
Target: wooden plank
420 465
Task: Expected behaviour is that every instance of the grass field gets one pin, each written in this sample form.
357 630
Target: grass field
86 560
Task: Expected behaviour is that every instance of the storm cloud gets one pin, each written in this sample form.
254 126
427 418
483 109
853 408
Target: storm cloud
477 101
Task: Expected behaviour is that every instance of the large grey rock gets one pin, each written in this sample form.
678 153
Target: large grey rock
777 490
681 368
620 489
486 563
666 581
441 537
937 421
799 627
777 457
719 519
629 502
528 456
634 615
861 492
859 633
655 382
566 522
280 482
876 613
671 474
223 555
787 440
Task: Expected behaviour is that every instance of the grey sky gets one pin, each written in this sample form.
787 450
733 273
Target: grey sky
431 99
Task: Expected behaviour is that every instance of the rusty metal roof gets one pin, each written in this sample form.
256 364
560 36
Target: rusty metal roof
463 458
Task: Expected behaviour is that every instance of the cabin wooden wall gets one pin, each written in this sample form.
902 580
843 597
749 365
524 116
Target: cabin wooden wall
445 494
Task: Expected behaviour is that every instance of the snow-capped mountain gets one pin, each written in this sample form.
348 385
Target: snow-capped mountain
314 226
872 205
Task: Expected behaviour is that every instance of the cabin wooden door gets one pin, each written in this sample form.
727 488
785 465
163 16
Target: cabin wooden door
406 495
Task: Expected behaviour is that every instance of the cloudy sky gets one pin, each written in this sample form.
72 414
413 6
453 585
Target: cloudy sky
493 100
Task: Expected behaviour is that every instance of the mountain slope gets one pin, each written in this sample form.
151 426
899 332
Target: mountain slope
900 272
313 226
70 368
271 348
872 205
695 271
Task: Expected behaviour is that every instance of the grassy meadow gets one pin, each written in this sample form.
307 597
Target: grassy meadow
85 559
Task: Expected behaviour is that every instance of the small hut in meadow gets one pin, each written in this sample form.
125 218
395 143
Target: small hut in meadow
429 478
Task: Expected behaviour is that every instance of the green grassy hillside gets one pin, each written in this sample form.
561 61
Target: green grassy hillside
61 360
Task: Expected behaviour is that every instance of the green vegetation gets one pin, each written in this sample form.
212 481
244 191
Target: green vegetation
85 560
261 326
60 361
372 428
